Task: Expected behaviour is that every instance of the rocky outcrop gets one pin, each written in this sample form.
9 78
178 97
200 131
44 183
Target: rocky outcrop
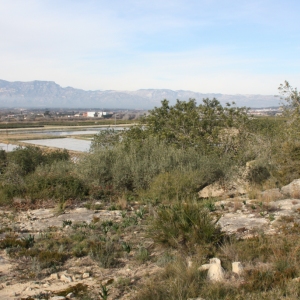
292 189
225 191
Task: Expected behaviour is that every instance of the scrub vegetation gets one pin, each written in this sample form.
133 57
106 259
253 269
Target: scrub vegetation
161 164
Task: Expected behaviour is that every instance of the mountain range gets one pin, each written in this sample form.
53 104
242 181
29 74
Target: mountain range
41 94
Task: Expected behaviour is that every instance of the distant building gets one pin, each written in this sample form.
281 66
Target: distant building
94 114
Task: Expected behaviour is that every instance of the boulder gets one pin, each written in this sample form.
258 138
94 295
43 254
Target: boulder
237 268
212 190
292 189
53 276
229 190
215 270
66 278
85 275
271 195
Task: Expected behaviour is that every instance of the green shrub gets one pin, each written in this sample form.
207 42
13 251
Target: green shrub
258 174
184 224
174 185
57 181
174 283
27 158
133 166
105 253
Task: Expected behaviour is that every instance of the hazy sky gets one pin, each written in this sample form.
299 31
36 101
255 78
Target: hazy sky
220 46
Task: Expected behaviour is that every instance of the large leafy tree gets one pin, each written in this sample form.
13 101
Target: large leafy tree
208 126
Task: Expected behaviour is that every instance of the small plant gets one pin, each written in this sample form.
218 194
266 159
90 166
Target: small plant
126 247
105 253
113 207
142 254
244 202
271 217
66 223
140 212
104 292
41 296
222 206
210 206
28 241
253 207
183 224
106 225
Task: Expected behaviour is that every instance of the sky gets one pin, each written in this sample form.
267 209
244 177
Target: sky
207 46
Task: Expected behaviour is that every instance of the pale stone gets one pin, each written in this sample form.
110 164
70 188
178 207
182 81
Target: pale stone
65 278
204 267
189 262
271 195
292 189
215 271
237 267
85 275
53 276
70 295
58 298
212 190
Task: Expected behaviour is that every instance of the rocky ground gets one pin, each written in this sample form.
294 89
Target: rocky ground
241 214
76 273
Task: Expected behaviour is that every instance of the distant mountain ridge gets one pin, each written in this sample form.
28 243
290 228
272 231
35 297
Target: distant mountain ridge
35 94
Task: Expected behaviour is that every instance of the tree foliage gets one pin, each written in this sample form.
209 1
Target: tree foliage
291 107
187 124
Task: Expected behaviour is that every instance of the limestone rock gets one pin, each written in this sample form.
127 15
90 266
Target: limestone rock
215 270
237 267
53 276
272 194
70 295
212 190
204 267
292 189
297 279
66 278
229 190
85 275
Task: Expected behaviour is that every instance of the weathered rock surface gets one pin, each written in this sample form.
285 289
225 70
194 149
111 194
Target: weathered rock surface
216 190
292 189
249 216
237 268
40 219
215 270
272 194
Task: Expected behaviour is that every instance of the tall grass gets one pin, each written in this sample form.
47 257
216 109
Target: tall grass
184 225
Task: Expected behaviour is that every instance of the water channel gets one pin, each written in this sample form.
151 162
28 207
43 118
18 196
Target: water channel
72 144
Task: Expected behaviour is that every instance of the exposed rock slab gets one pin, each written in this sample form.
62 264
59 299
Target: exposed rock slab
40 219
292 189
